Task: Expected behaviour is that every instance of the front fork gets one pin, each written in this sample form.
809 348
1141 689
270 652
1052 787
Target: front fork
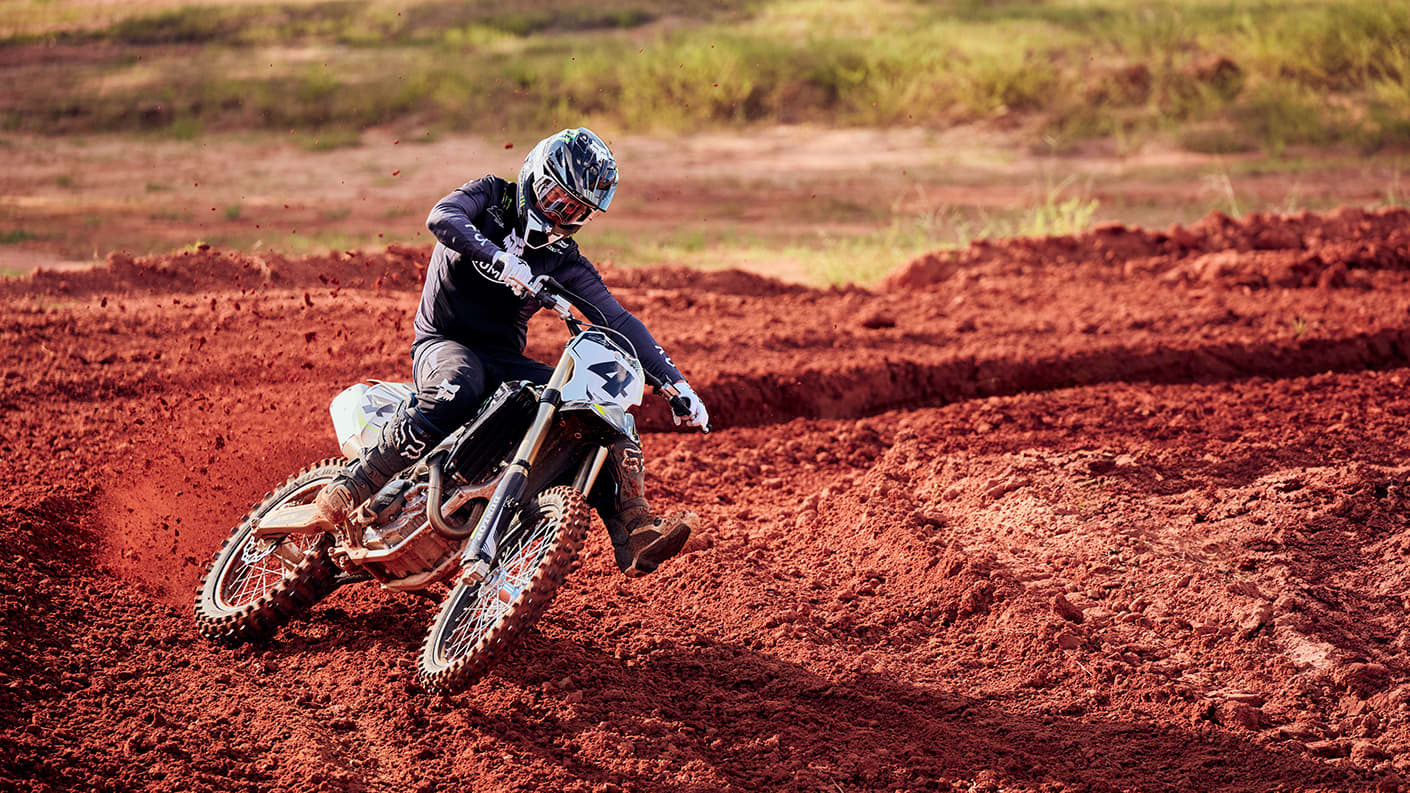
479 553
592 466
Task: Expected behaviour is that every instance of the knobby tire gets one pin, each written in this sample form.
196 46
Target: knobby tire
458 649
261 609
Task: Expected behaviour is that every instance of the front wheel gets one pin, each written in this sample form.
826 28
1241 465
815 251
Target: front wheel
479 622
255 585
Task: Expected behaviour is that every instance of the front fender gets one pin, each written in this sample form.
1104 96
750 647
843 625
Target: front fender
617 420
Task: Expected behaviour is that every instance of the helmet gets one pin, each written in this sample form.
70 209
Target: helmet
567 179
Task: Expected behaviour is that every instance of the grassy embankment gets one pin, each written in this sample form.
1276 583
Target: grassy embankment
1220 75
1210 76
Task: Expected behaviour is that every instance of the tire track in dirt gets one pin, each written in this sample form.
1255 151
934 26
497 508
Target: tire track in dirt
892 382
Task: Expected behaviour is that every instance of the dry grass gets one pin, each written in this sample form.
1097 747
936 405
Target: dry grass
1220 77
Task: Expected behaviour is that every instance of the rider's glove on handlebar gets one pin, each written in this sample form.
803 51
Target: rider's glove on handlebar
698 416
512 271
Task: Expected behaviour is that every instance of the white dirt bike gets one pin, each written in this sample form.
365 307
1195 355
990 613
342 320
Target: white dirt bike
497 510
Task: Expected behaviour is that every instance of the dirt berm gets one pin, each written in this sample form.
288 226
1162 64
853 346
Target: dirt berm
1119 511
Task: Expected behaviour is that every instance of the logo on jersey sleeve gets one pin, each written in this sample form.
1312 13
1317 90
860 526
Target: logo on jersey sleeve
514 244
665 357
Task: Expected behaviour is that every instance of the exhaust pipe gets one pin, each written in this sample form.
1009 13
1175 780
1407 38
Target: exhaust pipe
434 493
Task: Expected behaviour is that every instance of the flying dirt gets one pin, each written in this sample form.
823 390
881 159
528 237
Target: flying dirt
1119 511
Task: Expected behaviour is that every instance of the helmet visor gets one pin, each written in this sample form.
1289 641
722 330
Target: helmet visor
560 207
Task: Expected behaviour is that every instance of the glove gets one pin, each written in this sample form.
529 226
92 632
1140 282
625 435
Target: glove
512 271
698 416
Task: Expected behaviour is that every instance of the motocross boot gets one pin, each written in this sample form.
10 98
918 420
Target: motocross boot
640 539
404 439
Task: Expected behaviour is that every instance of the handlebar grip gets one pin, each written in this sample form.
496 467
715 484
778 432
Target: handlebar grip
679 406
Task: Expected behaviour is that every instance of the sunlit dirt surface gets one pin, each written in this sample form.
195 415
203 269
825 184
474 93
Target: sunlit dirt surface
1124 511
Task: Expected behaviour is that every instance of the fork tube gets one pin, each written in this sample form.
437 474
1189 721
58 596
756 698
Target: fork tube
592 466
511 488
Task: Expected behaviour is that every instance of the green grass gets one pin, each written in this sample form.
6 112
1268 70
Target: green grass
695 247
866 258
823 254
329 139
1232 74
16 235
187 127
344 22
294 244
318 242
859 259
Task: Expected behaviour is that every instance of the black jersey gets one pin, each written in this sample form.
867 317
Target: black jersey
462 301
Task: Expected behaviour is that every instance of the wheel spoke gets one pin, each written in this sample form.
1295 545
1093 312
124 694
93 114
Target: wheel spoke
494 596
255 583
259 565
480 621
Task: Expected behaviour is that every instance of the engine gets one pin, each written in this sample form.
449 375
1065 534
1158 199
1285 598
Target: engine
405 553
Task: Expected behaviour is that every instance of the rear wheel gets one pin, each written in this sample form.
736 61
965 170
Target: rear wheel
256 585
479 622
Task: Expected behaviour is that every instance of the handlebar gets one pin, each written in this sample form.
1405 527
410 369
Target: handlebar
547 290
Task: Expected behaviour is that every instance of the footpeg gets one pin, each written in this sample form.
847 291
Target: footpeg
290 519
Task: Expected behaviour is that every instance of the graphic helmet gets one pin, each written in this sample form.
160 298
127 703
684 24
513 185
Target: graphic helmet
567 179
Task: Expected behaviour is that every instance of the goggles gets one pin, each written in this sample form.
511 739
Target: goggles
560 207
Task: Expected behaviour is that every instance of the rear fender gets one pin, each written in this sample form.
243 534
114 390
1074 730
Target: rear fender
360 410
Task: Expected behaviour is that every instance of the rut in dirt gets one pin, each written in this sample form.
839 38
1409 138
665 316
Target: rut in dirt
1221 300
883 386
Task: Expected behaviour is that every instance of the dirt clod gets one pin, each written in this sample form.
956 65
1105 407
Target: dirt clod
1065 609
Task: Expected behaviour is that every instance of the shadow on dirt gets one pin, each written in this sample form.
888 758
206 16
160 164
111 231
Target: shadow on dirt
763 723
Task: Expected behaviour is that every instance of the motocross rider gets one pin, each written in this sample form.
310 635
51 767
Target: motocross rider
493 237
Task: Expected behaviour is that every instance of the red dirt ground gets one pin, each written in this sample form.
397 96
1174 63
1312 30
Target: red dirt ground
1121 511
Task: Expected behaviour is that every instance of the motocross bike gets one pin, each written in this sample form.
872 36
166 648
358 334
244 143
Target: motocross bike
497 510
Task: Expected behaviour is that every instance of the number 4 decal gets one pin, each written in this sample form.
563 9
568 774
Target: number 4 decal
616 376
